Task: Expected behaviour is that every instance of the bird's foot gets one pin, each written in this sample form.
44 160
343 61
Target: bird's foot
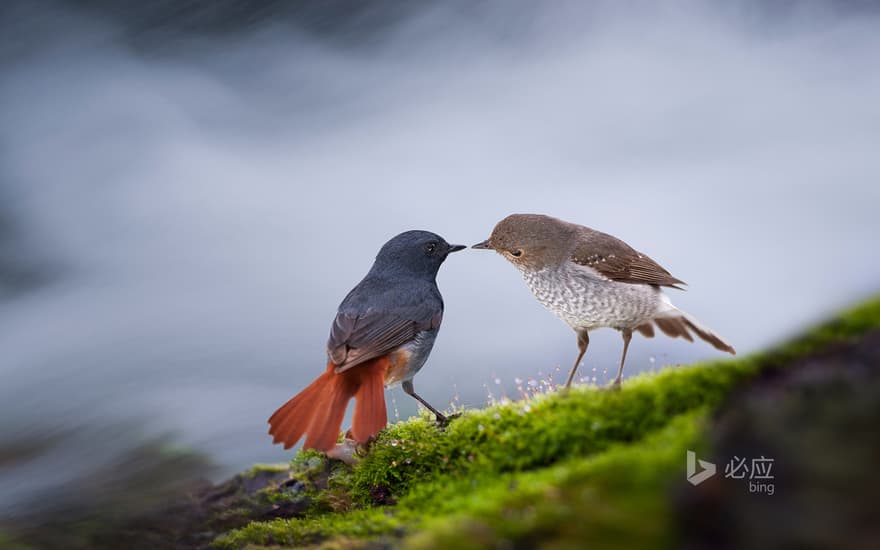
613 386
444 420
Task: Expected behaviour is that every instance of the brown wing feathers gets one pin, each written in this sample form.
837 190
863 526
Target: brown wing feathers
616 260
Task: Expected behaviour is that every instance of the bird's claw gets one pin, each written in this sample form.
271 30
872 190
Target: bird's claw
444 420
613 386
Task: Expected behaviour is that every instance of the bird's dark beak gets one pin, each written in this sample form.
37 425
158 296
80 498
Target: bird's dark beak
455 248
483 245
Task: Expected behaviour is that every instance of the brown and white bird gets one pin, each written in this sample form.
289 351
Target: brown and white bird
591 280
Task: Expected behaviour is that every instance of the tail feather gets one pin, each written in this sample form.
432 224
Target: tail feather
288 424
681 324
674 327
323 430
646 330
318 410
370 415
707 335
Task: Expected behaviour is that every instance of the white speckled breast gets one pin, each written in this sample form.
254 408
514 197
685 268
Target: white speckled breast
586 300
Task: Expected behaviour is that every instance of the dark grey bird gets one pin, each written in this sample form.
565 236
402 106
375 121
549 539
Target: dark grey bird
382 335
591 279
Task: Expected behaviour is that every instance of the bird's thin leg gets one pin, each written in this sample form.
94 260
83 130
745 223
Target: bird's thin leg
410 390
583 342
627 336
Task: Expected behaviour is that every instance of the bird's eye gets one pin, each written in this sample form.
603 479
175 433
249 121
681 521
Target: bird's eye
430 248
516 253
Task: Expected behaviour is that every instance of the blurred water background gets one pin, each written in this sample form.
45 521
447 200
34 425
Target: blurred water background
188 189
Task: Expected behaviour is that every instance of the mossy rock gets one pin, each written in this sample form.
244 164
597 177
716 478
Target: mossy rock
587 468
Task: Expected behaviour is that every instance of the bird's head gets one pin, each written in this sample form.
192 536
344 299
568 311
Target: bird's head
529 241
415 253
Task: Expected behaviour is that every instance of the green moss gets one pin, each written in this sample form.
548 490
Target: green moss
550 503
586 501
560 467
527 435
259 469
307 462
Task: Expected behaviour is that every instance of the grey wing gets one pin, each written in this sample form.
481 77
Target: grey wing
617 261
356 338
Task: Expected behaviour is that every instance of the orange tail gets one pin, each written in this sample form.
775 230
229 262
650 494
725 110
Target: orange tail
317 411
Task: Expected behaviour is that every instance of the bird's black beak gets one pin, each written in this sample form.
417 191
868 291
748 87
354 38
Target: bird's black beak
455 248
483 245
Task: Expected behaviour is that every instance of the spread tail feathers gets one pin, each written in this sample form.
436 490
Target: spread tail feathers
681 324
318 410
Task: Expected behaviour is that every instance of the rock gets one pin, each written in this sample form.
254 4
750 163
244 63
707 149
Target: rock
817 420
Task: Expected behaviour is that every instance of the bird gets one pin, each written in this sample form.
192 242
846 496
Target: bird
381 336
591 279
